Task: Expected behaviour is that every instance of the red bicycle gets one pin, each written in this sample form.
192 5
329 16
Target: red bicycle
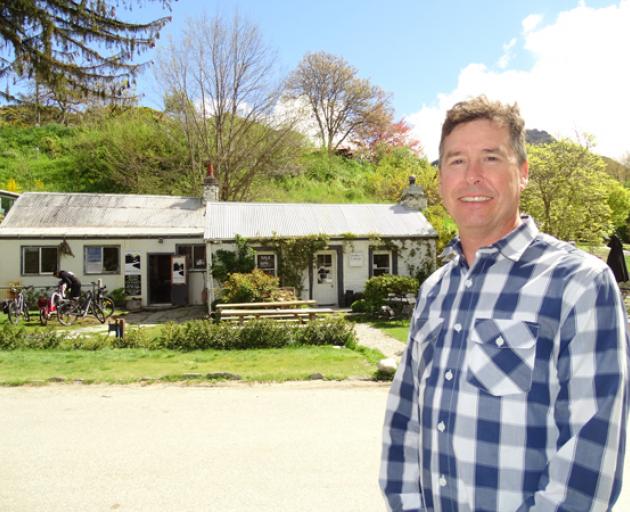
48 305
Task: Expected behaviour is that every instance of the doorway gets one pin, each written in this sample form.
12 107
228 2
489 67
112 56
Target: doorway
159 270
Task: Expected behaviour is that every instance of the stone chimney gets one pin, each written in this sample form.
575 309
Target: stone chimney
210 185
413 197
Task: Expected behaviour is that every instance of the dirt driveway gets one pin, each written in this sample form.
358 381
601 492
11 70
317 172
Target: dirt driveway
311 446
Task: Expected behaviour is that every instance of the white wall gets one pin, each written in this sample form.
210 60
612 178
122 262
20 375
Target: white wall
410 253
10 261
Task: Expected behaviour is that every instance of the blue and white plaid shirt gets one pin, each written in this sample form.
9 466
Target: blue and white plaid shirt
512 392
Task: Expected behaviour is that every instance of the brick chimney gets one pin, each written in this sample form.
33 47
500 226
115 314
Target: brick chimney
210 185
413 197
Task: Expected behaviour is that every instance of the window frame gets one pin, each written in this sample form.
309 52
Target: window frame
39 248
87 271
377 271
190 260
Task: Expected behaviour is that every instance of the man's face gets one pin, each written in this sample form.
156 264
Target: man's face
481 181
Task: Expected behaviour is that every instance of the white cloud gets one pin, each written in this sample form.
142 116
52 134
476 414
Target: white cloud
504 60
579 82
531 22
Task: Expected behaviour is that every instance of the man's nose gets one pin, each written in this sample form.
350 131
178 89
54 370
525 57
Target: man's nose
474 172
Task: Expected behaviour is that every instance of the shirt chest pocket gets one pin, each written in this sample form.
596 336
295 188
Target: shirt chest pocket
425 336
502 355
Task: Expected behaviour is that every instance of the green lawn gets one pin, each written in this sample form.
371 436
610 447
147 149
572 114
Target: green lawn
398 329
132 365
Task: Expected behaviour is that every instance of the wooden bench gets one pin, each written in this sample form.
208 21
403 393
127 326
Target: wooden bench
266 305
281 311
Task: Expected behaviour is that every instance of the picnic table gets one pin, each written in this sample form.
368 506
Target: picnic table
282 311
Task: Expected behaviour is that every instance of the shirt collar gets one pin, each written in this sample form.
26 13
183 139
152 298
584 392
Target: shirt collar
512 245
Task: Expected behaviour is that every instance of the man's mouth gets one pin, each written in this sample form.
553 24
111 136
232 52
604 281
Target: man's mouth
474 199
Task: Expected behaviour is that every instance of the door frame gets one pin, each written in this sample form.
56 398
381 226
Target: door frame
338 249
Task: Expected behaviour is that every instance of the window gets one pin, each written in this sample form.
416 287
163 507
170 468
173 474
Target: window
267 263
99 259
381 263
195 256
39 260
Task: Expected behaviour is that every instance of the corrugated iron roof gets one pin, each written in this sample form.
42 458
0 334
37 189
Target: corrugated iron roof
95 214
262 220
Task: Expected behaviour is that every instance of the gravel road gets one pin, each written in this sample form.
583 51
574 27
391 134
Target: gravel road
310 446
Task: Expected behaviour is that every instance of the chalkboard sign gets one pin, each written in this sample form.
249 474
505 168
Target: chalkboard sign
133 285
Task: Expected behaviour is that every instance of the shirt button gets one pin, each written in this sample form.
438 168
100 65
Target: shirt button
442 481
499 341
457 327
448 375
441 426
468 283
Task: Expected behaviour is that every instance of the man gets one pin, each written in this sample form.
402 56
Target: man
69 280
511 394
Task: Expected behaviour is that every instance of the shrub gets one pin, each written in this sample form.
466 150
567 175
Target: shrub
379 288
14 337
253 287
119 297
11 336
263 334
360 306
334 330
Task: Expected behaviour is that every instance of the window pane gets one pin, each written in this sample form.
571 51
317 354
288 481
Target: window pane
30 256
93 260
200 256
49 260
380 264
110 259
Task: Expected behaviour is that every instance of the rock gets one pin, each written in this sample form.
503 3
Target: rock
387 366
316 376
56 379
223 375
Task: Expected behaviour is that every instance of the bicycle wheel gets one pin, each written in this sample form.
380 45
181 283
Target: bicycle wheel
43 317
98 312
67 314
107 305
12 312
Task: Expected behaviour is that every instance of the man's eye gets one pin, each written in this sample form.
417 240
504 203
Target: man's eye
492 158
456 161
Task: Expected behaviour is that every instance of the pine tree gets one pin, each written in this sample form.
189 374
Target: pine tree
78 45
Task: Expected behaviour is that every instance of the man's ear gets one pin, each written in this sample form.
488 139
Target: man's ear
523 174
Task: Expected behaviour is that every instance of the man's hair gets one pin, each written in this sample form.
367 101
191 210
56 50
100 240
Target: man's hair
482 108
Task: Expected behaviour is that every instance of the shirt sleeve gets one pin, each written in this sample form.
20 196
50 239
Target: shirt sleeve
585 471
399 475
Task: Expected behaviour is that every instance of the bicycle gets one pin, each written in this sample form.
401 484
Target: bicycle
70 312
105 303
49 305
18 306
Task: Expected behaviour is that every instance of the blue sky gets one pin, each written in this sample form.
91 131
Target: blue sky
564 61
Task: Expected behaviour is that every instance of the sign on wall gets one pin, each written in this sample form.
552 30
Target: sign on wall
133 274
356 259
178 270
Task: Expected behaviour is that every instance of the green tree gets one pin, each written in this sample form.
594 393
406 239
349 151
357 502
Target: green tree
341 103
219 85
567 192
81 45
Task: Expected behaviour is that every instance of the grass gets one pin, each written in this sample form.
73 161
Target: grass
132 365
398 329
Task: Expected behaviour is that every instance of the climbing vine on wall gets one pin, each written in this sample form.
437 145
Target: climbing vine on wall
295 255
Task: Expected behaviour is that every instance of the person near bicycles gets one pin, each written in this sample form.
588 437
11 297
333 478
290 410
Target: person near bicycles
67 280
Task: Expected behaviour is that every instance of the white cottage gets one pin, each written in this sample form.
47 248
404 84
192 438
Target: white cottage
160 248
